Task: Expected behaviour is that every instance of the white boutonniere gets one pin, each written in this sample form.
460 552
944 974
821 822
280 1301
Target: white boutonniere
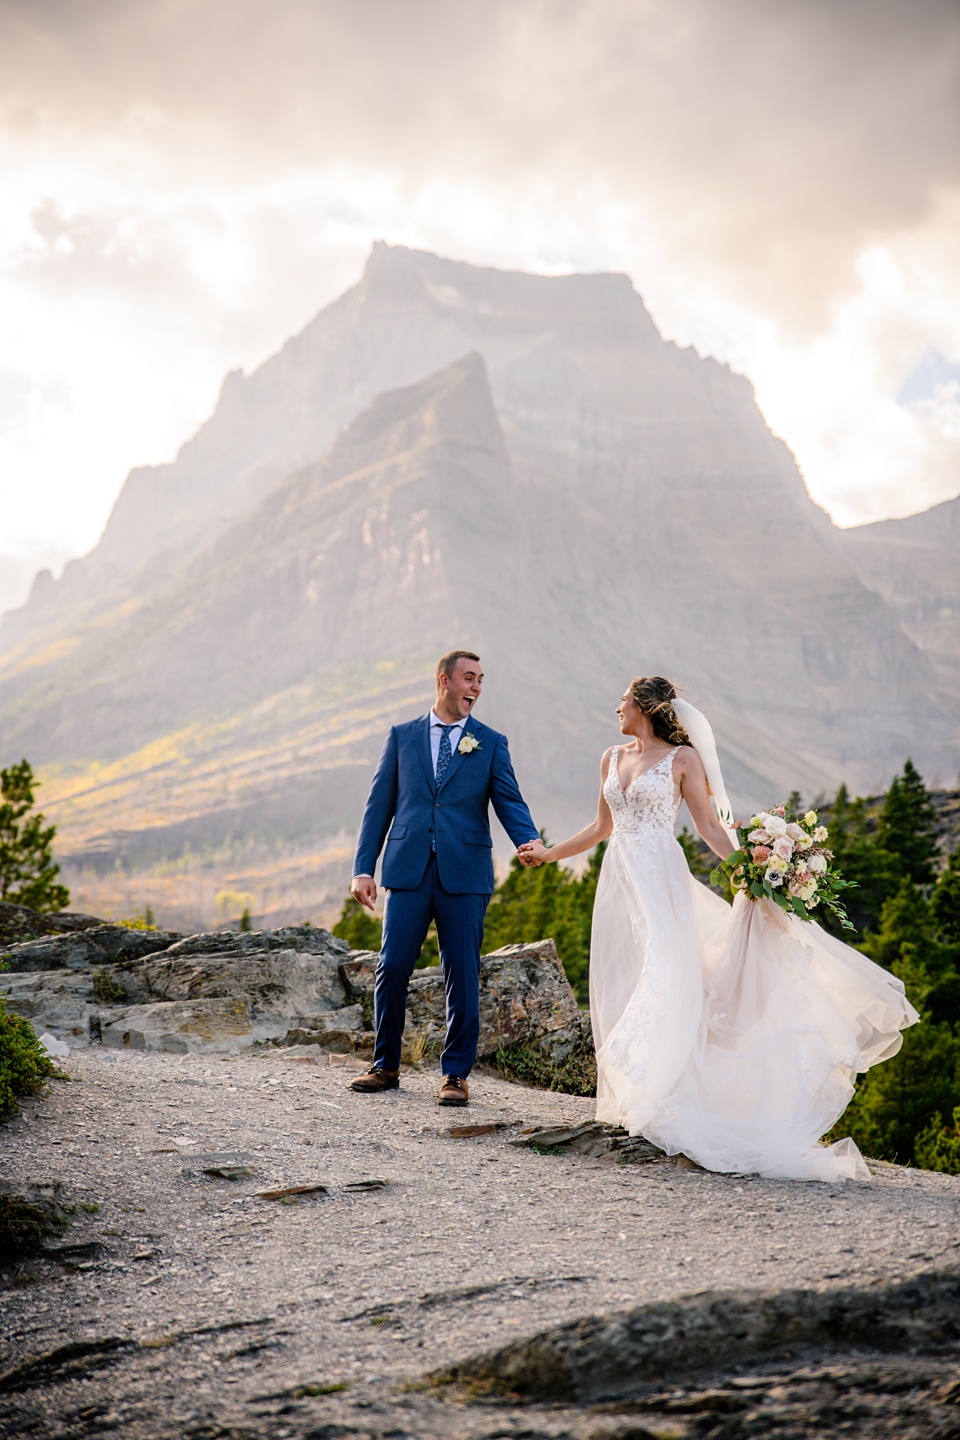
468 743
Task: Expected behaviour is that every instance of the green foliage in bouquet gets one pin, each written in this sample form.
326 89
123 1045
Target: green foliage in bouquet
783 857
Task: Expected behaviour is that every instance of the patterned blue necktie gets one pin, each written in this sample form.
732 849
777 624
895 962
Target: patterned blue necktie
444 754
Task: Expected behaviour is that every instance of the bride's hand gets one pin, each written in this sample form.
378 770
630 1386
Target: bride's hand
532 854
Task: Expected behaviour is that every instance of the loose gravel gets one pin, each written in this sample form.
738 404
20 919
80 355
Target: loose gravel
223 1303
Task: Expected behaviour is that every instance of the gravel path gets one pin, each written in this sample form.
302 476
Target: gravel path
471 1241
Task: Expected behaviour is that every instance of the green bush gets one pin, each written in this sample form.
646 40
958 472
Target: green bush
24 1064
106 989
360 929
576 1076
938 1145
139 922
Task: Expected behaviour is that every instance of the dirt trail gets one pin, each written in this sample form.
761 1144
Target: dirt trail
204 1299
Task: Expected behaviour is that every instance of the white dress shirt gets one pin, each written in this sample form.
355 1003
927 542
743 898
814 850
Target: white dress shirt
436 731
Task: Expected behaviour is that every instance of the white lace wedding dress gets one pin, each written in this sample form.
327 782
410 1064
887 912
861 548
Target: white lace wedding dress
728 1034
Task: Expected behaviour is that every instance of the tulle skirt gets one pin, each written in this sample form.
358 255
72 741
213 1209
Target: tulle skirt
730 1034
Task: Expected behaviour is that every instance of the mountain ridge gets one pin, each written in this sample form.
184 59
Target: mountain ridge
566 492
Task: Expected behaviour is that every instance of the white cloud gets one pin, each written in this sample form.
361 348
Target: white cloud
186 186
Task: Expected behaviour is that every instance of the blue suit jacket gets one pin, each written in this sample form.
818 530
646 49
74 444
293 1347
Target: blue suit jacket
455 817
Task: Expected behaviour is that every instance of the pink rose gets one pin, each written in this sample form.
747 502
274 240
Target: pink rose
783 847
760 853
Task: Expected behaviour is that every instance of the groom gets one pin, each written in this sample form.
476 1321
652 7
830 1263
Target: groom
435 780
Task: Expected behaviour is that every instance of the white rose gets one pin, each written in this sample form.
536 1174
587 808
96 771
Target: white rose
774 825
817 864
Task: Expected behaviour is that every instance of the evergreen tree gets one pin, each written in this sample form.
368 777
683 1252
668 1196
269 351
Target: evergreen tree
907 828
360 929
896 1100
27 872
906 927
860 859
945 906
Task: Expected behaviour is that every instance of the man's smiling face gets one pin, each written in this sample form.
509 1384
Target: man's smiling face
458 693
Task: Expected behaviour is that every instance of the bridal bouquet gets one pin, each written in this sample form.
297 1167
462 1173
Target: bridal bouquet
784 858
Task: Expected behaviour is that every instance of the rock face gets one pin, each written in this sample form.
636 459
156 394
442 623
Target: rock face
452 455
19 923
525 1002
608 1357
299 986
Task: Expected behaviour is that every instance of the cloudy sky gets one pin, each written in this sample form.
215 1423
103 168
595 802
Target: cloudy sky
186 182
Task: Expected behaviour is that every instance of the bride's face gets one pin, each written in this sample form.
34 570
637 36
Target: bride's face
630 715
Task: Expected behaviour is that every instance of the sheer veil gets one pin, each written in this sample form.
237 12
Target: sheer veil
699 729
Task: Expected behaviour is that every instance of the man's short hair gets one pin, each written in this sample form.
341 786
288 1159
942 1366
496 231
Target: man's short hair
448 664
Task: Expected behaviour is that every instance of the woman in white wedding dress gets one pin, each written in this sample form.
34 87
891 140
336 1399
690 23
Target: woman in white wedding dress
730 1034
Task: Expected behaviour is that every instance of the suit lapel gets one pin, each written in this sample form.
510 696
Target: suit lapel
423 750
456 759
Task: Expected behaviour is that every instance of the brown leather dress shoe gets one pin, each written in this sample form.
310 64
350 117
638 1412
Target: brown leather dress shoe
374 1081
453 1091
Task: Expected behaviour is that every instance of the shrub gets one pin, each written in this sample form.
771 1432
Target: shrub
24 1064
937 1146
107 989
576 1076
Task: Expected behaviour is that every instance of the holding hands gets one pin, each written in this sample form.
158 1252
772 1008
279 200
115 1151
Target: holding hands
532 854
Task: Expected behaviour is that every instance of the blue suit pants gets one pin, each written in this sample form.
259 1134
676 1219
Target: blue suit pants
406 919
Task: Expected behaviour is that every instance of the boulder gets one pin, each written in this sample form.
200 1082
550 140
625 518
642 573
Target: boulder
288 983
19 923
180 1026
150 990
60 1001
98 945
526 1003
344 1029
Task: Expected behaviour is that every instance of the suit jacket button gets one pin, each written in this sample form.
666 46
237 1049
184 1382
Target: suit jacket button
436 807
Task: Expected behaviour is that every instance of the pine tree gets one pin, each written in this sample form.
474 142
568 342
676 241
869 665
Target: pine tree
860 859
906 924
907 828
360 929
27 872
945 906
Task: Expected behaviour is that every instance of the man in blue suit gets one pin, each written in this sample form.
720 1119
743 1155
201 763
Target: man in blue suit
435 781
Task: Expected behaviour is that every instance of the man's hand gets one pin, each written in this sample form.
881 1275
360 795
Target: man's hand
532 854
364 889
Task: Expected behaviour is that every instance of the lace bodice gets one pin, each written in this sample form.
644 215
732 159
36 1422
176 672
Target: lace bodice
650 802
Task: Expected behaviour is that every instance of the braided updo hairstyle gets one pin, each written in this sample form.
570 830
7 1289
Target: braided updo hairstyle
655 697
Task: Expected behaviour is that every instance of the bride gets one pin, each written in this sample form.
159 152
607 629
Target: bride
730 1034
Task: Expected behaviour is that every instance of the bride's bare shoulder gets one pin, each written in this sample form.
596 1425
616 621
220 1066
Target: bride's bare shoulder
686 760
605 760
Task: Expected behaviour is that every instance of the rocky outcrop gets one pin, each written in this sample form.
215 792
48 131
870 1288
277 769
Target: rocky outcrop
98 944
526 1005
611 1357
145 990
19 923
